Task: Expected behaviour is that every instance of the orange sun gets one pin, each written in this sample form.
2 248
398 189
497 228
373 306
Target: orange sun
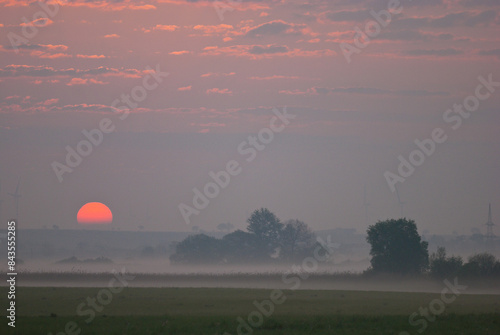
94 213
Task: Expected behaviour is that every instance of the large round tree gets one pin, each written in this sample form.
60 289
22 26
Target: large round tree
397 247
267 228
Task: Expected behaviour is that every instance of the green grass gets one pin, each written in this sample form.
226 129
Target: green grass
215 311
239 302
484 324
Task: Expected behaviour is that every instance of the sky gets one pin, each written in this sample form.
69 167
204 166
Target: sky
309 108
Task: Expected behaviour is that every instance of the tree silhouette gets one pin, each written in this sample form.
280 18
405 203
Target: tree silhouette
198 249
240 246
481 265
267 227
441 266
296 239
397 247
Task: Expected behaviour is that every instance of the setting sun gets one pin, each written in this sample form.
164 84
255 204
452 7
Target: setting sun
94 213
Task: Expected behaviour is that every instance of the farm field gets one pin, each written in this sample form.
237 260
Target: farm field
58 311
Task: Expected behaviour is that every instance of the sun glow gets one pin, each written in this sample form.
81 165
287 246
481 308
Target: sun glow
94 213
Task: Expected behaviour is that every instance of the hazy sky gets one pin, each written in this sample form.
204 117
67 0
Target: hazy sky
229 64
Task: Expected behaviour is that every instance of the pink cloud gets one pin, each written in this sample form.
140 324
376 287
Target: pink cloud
298 92
39 23
112 36
49 102
14 70
36 50
187 88
274 77
46 51
213 74
213 30
49 81
264 51
228 5
278 28
57 47
12 97
102 5
341 37
177 53
86 81
219 91
42 54
91 56
162 27
21 100
166 27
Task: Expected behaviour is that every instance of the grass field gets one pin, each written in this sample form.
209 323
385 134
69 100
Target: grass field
216 311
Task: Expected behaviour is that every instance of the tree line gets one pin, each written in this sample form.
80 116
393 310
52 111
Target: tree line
396 247
266 239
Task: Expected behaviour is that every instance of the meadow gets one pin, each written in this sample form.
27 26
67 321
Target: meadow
142 311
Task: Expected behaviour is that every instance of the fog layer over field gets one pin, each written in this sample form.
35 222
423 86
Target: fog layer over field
52 258
325 277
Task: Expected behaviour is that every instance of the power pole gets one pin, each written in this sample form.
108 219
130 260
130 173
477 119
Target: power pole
489 225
